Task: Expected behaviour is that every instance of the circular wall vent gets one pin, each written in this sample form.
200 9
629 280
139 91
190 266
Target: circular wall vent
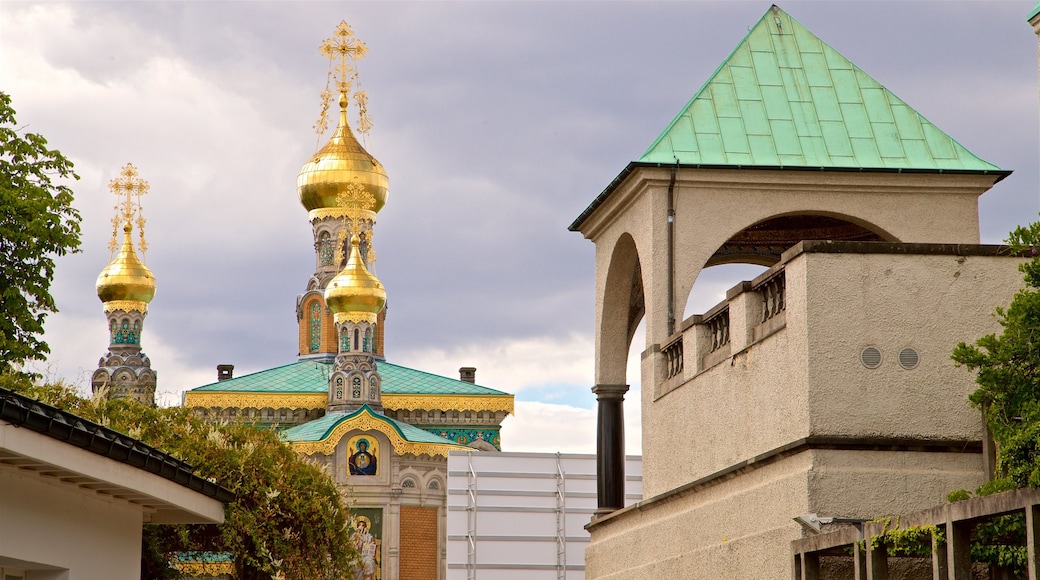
908 358
870 357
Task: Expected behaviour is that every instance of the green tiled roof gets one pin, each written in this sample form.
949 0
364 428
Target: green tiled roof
784 98
1034 11
312 376
319 429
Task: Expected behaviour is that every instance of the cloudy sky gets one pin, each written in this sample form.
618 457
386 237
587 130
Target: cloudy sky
497 123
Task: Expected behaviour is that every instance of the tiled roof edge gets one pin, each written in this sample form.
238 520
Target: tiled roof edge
23 411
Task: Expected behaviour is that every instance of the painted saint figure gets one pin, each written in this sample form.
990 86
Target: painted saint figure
361 461
365 544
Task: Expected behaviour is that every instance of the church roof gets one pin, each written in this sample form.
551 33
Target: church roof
322 435
305 384
312 376
784 99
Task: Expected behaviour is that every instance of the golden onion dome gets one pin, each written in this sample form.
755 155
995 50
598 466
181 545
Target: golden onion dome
126 280
355 292
339 163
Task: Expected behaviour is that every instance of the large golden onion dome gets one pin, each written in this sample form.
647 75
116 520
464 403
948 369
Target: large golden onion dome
126 283
355 293
339 163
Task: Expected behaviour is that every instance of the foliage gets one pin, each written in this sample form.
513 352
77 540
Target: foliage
913 541
288 520
1008 394
38 224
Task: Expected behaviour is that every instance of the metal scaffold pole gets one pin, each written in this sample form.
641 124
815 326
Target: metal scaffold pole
471 520
561 521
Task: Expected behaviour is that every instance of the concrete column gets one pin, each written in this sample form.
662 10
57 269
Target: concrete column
1033 541
939 559
958 550
877 562
859 562
610 448
810 568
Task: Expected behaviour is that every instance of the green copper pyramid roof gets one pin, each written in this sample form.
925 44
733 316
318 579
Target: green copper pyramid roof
784 98
319 429
312 376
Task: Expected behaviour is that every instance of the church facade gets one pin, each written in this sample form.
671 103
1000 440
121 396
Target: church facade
825 384
382 430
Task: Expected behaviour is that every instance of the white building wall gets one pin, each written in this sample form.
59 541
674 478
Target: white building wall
513 513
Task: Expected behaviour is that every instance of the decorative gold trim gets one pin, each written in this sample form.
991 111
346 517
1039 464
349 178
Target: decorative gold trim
193 568
449 402
126 306
340 213
367 422
355 317
225 400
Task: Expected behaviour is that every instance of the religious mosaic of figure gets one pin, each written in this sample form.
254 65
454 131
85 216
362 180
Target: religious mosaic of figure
368 541
363 456
315 326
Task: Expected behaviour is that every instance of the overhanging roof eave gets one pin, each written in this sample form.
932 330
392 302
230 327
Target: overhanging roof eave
633 165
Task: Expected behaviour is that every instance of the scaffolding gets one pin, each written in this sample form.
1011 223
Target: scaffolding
471 520
561 521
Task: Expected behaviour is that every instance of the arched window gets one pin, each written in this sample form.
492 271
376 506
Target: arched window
344 340
339 387
114 328
315 326
135 334
124 332
372 390
368 341
355 389
325 249
357 341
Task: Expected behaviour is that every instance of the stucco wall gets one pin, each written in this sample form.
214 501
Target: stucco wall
928 303
67 527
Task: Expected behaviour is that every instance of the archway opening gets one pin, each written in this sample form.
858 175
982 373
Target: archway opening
763 242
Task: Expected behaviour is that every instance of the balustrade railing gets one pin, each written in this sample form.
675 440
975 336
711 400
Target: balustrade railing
774 298
673 357
718 328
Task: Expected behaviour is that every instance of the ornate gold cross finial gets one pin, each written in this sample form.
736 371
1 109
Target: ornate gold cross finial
344 73
355 202
129 188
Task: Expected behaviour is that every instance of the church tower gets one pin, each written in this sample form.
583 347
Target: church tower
342 187
125 287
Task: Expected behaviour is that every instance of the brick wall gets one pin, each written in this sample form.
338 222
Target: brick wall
418 543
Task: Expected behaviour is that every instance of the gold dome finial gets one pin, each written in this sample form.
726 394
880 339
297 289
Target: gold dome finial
355 294
343 161
126 283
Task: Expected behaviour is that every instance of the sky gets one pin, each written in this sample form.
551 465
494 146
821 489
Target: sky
497 123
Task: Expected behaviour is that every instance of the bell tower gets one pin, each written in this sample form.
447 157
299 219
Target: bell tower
125 287
341 178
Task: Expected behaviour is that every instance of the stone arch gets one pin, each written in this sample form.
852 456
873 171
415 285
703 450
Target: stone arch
624 305
764 240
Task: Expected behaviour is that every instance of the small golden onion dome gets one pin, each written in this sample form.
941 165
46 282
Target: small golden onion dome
355 290
340 162
126 278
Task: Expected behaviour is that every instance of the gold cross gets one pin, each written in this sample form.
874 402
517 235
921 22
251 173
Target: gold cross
129 188
346 46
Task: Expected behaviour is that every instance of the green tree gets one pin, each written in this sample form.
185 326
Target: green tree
1008 376
288 520
37 224
1008 373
